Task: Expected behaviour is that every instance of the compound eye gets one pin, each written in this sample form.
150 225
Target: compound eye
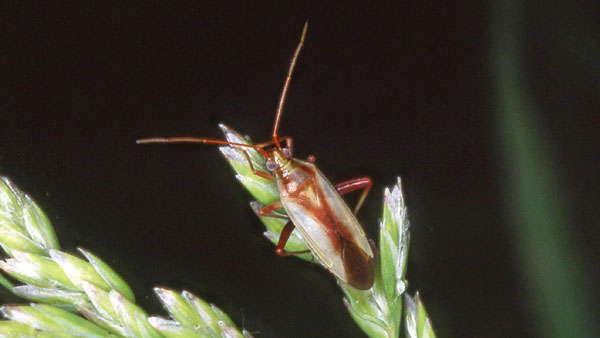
272 166
287 152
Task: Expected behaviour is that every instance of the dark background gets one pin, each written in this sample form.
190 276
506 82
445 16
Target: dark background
378 91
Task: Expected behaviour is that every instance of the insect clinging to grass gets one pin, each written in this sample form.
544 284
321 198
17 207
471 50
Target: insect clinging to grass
312 204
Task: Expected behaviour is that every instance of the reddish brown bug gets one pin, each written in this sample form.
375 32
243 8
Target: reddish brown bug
313 205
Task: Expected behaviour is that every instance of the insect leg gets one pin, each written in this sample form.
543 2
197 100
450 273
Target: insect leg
254 171
266 211
285 232
288 142
311 158
283 238
355 184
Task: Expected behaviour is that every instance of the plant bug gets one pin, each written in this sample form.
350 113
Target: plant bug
313 205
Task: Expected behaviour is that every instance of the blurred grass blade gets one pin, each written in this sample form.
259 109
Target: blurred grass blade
547 254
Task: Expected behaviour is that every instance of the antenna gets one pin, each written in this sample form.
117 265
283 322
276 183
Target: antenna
286 84
200 140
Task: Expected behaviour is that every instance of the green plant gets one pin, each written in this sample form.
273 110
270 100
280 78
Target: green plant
73 297
378 311
78 298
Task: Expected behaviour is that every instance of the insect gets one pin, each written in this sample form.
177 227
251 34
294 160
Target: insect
313 205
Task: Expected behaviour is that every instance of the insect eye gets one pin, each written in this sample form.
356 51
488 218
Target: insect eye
287 152
272 166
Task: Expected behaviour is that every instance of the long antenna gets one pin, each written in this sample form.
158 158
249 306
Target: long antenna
286 84
200 140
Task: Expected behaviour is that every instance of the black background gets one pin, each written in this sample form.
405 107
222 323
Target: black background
379 91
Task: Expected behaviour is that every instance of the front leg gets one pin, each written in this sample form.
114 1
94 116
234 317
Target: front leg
254 171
